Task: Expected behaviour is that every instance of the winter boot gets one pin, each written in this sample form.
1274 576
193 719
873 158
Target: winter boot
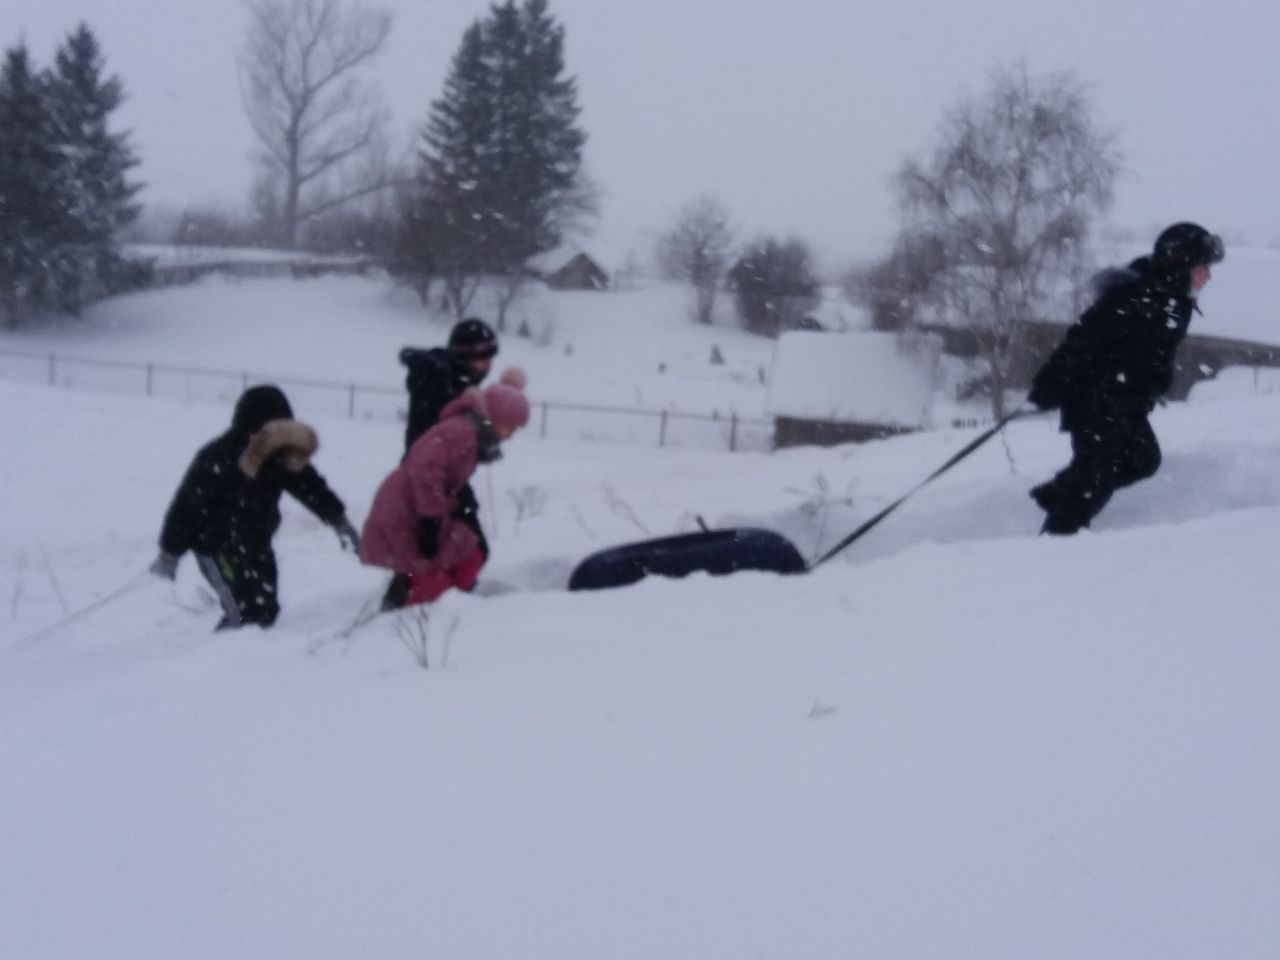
1045 496
397 592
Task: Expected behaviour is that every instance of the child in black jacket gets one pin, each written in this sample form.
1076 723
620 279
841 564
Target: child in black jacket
1115 362
226 509
435 379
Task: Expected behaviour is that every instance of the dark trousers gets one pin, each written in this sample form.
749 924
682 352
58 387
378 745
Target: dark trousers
244 580
1107 453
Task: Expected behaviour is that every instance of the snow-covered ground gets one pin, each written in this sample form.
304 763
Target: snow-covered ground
958 739
633 349
170 255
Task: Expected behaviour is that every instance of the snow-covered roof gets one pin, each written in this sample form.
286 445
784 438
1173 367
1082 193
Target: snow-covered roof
854 378
553 260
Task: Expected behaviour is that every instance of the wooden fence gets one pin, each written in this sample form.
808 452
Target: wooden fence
665 428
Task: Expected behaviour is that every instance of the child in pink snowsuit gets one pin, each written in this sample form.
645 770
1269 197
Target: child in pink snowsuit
413 527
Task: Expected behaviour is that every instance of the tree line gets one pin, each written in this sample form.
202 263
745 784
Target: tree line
995 220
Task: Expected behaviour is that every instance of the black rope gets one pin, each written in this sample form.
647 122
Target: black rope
968 448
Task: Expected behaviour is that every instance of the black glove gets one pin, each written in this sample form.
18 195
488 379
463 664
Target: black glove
348 536
165 565
467 502
427 536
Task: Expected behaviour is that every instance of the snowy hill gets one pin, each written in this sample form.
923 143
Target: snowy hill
636 348
957 739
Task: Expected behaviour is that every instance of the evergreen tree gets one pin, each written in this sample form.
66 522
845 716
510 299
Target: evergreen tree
33 215
64 195
502 153
459 214
537 150
96 162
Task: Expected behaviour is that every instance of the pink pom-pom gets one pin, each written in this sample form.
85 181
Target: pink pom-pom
513 377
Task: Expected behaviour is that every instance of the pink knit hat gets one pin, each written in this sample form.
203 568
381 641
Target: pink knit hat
505 400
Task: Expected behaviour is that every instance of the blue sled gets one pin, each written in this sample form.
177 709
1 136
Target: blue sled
711 551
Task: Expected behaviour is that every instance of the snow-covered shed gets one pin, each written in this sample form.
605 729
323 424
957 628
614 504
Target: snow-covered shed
579 273
828 388
569 267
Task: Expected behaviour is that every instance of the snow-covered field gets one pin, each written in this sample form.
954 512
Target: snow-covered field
169 255
634 349
956 740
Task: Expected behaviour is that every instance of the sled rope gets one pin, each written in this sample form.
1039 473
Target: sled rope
132 584
967 449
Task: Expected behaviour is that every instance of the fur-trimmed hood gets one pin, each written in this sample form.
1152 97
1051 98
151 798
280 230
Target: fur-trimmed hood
294 443
1176 280
1109 278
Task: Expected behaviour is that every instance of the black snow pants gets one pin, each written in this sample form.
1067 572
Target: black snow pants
244 580
1109 450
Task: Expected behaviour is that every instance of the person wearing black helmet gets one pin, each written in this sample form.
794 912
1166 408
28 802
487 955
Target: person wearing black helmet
436 377
227 507
1112 367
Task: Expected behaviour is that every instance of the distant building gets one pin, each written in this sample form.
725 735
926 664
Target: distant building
829 388
569 267
580 273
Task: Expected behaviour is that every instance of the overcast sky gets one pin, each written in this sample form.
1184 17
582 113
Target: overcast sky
794 114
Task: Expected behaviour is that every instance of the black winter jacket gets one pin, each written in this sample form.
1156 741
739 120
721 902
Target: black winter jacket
434 379
1118 357
218 507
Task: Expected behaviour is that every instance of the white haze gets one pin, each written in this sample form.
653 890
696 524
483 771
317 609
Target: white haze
796 115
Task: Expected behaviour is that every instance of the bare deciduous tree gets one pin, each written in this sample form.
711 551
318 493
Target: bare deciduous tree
892 290
696 251
774 285
320 124
1004 206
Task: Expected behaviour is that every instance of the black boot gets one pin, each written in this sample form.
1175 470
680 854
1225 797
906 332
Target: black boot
397 592
1045 496
1057 527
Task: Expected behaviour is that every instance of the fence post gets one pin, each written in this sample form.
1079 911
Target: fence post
53 359
244 382
733 432
150 375
351 402
662 430
542 429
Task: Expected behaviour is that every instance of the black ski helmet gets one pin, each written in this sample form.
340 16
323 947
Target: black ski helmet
473 338
1188 245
